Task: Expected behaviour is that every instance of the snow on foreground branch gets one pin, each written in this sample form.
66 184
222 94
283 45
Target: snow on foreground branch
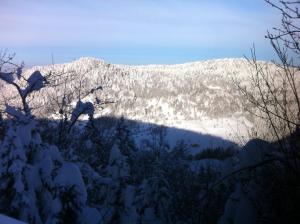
37 184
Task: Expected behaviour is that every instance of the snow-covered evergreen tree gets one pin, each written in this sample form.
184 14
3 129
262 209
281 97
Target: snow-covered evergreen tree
36 184
13 165
17 191
124 139
91 146
153 198
114 195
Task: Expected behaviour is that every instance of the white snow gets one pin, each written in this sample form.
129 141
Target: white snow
130 215
198 96
238 209
221 127
15 112
253 152
82 108
35 82
68 176
7 77
117 167
214 87
201 134
8 220
90 216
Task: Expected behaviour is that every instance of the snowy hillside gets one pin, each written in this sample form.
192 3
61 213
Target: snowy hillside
197 96
123 166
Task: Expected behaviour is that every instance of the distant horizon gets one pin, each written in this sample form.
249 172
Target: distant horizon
135 32
53 59
27 66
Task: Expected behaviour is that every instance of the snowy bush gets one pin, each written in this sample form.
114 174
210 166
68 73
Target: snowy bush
37 185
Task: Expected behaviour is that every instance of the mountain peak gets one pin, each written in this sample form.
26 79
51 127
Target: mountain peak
89 61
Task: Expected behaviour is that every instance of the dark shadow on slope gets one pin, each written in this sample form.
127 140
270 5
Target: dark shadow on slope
145 133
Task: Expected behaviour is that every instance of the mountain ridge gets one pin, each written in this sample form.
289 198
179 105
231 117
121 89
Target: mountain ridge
199 96
95 60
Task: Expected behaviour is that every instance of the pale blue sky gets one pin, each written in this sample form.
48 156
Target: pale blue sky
135 31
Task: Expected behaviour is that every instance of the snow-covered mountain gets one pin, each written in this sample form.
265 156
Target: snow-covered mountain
199 96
